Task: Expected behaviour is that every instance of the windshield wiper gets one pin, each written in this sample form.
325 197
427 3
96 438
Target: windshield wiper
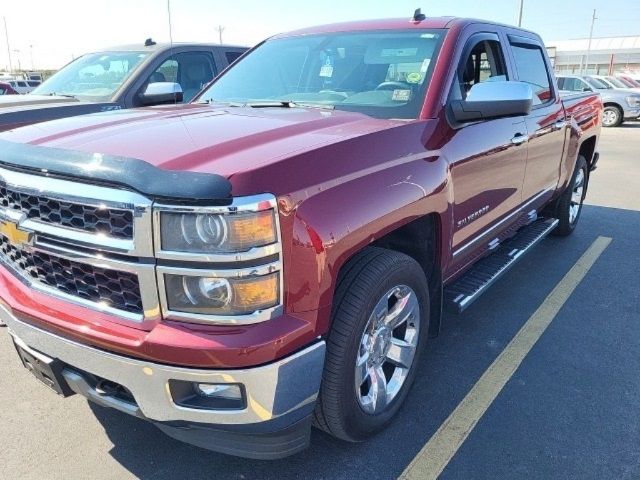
288 104
55 94
272 104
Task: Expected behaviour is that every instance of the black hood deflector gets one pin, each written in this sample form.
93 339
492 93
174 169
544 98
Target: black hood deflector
129 173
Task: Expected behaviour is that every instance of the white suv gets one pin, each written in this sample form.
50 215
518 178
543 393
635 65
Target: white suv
23 86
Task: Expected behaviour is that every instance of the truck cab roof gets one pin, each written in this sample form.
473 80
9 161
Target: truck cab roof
395 24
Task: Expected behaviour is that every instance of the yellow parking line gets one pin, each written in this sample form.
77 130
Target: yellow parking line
443 445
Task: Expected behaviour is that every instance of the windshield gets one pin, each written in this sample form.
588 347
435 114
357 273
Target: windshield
597 83
384 74
616 83
92 77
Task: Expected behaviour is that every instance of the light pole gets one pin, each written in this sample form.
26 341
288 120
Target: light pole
220 29
6 34
17 52
31 54
593 20
520 14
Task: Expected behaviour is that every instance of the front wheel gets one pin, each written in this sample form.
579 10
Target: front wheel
611 116
380 325
569 204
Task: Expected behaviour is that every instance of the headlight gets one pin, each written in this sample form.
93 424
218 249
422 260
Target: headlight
210 295
633 101
216 233
220 264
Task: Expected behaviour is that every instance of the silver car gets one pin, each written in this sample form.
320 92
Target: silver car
619 104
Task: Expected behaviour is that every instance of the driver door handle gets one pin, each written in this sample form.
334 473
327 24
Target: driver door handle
519 139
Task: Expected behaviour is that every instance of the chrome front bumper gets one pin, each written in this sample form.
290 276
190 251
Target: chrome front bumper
272 391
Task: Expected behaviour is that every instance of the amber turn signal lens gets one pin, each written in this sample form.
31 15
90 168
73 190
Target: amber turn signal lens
246 231
255 293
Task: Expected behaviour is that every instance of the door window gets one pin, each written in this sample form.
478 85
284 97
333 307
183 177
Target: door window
570 84
192 70
232 56
532 69
484 63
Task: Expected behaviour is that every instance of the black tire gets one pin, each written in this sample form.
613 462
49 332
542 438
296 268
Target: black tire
363 282
612 116
566 223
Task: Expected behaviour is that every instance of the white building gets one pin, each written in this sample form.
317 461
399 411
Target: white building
606 57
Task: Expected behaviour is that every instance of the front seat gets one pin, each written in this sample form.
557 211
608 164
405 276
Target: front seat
196 76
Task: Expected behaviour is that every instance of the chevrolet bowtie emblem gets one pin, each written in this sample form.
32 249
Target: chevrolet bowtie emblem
14 234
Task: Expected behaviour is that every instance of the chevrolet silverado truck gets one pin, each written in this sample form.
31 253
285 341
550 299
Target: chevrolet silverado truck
120 77
276 254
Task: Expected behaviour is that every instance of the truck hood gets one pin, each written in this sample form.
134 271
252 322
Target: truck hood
15 102
202 138
19 110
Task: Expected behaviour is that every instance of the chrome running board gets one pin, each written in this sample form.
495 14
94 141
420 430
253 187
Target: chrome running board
466 289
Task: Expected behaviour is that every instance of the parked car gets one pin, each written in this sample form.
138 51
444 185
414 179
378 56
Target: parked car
6 89
37 76
23 86
629 81
614 82
121 77
277 252
619 104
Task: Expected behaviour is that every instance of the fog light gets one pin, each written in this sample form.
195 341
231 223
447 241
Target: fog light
219 390
208 396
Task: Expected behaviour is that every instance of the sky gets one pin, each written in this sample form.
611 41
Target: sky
49 34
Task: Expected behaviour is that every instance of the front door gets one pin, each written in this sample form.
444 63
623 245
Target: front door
487 159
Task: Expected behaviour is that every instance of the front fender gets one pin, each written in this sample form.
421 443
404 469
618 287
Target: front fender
329 227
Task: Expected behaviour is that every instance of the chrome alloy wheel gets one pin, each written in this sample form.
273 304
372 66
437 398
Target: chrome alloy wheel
610 117
387 348
576 196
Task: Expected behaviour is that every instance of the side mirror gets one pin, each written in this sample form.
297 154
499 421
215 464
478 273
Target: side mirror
493 100
158 93
587 89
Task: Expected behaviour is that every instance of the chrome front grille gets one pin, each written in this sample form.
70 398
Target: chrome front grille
107 287
93 245
88 244
113 222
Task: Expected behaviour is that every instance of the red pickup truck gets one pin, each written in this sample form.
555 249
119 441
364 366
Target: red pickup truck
276 253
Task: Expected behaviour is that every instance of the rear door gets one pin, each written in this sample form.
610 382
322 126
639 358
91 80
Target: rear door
546 125
487 158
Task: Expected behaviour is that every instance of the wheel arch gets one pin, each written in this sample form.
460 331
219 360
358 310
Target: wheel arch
426 253
587 150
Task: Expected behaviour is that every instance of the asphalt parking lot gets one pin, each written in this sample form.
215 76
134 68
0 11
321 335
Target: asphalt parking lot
570 410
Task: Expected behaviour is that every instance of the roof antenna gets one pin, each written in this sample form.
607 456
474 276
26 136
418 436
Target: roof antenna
418 16
149 42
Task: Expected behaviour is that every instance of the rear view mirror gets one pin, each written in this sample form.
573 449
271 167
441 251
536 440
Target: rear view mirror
158 93
493 100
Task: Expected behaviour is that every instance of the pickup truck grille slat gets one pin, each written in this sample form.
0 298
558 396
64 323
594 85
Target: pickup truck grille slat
113 288
115 223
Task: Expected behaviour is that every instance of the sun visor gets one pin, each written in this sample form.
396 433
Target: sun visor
400 50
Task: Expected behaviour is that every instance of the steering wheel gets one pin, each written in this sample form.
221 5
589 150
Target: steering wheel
392 86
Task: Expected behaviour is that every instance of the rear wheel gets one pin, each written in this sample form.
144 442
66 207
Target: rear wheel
569 204
380 325
611 116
